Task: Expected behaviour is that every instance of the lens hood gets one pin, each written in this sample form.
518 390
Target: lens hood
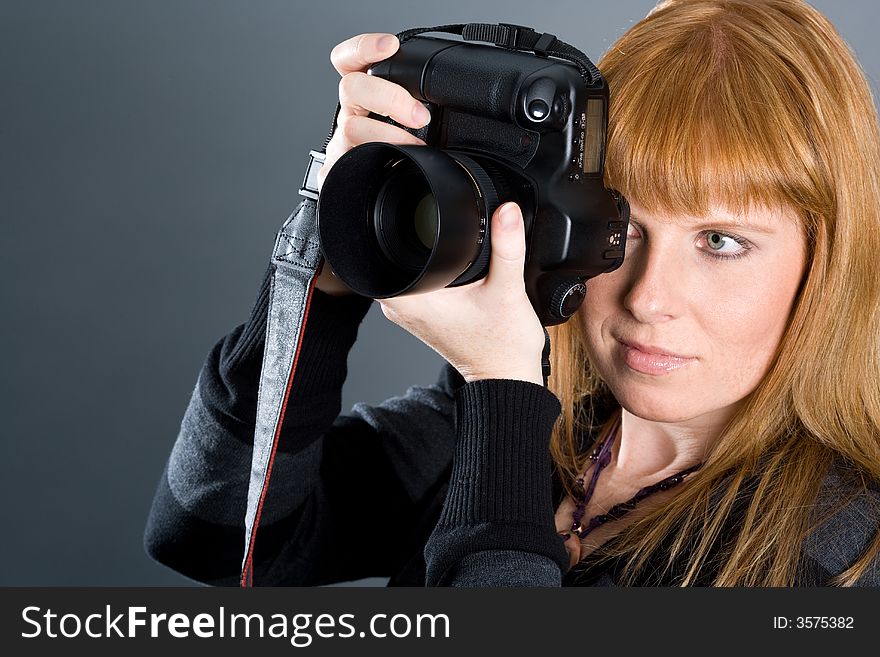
374 209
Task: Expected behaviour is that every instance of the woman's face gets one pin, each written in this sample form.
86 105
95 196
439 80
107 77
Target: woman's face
714 296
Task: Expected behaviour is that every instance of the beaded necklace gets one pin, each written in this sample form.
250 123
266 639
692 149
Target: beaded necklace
601 456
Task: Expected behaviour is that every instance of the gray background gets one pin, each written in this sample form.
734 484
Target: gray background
149 151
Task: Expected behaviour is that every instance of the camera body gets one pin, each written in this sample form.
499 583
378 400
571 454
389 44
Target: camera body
506 126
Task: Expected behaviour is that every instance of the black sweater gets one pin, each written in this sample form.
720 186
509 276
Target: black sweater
450 484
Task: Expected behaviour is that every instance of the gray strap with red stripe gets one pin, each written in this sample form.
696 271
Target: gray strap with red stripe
297 261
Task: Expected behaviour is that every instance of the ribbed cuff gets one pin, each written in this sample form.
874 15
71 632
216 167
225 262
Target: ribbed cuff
502 462
253 335
500 489
330 333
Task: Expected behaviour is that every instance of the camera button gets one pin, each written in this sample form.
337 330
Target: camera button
567 298
538 109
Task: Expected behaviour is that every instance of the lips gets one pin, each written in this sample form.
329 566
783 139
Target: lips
649 349
649 359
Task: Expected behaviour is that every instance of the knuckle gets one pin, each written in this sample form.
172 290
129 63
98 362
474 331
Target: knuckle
344 88
348 88
341 120
336 55
358 48
350 129
401 100
344 55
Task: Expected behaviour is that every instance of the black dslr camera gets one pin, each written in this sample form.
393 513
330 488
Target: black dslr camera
506 125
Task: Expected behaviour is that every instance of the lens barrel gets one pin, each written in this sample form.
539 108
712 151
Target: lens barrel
396 220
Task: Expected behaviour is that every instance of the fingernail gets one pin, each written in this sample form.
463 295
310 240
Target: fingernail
509 218
420 114
387 43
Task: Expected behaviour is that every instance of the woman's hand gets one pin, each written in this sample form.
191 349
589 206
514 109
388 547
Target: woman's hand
486 329
360 94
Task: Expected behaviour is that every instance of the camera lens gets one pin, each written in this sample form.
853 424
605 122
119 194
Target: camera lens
425 220
396 220
406 217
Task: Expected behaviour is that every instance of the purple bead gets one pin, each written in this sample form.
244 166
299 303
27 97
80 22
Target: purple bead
603 454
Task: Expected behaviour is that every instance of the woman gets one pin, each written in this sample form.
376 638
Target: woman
713 417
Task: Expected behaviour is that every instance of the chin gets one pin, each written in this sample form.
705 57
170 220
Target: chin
654 406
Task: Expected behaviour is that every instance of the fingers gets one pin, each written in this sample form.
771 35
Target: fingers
508 244
357 53
356 130
360 94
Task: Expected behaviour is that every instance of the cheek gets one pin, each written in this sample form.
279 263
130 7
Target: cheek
603 302
744 327
601 307
753 309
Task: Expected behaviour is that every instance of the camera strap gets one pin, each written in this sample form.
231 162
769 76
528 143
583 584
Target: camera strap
296 264
516 37
297 261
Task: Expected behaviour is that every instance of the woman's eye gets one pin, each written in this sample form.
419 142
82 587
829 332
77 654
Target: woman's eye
716 241
720 245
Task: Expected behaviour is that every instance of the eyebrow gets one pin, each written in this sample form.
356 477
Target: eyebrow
723 224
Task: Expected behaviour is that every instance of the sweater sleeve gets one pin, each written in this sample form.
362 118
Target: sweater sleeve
848 521
497 525
366 471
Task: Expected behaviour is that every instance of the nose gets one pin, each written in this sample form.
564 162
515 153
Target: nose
656 287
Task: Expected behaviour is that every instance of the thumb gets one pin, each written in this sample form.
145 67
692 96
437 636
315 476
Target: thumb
508 246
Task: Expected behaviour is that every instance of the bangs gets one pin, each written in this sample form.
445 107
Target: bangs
705 116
